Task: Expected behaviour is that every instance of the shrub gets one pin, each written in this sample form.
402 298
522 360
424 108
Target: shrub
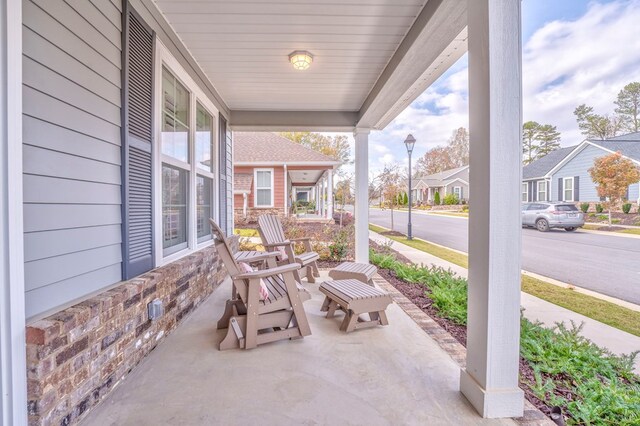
592 215
602 217
436 199
615 221
405 200
465 209
451 199
339 248
626 208
599 208
584 207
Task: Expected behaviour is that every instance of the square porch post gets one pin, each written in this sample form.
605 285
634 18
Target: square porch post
13 370
329 193
362 195
490 380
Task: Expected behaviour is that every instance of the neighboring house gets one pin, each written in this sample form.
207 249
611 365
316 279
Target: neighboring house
563 175
452 181
271 172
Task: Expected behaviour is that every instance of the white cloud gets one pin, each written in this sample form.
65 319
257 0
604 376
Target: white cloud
565 63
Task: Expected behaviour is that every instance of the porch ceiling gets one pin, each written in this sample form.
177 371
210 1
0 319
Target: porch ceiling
305 176
372 57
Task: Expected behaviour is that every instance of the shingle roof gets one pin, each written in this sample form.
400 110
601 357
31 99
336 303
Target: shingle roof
543 165
252 147
242 182
628 137
628 147
439 179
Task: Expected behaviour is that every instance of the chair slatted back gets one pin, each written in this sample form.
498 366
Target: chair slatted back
226 255
271 229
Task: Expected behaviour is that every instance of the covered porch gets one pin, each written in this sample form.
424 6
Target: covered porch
370 61
310 192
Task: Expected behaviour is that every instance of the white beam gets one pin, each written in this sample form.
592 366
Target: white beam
293 121
362 195
286 191
13 370
490 380
329 194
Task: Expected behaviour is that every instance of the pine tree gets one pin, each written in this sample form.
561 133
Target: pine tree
548 139
628 109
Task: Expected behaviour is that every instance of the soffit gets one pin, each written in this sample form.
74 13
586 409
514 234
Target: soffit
242 46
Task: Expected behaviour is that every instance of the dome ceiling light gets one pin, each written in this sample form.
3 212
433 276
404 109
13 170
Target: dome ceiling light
301 59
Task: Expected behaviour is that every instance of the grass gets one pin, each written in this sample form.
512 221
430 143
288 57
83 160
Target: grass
630 231
243 232
592 227
592 385
600 310
455 214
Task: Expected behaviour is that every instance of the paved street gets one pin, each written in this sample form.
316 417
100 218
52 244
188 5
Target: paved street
607 264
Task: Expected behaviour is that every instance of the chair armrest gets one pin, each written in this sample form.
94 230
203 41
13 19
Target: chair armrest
295 240
264 273
258 257
278 244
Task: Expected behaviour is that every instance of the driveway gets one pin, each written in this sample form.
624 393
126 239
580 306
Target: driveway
607 264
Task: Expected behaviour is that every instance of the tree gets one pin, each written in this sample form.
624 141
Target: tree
336 147
530 132
343 193
548 139
628 107
405 199
441 158
597 126
613 174
391 181
459 147
436 198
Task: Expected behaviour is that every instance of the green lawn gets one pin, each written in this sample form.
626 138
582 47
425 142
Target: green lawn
589 306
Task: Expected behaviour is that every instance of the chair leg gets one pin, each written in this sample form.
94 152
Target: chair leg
234 338
296 305
349 322
325 305
383 318
331 309
310 277
230 309
316 271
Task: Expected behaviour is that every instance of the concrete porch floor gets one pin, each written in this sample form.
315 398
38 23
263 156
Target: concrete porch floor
380 376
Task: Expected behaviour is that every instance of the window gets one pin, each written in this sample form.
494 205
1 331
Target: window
542 190
457 190
175 118
525 192
186 167
264 188
568 189
204 194
174 209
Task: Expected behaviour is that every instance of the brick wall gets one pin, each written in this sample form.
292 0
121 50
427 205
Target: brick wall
76 356
253 214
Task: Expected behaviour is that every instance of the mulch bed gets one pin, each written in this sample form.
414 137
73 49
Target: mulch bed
417 293
625 219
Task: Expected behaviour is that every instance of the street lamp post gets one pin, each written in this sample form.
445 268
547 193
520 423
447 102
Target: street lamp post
409 142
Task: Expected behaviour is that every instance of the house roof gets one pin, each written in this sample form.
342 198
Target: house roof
628 147
441 178
265 147
242 182
542 166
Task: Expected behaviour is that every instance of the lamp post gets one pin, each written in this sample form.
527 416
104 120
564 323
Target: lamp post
409 142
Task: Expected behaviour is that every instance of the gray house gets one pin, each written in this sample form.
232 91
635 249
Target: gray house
563 175
452 181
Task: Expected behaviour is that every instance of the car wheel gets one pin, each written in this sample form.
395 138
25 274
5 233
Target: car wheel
570 229
542 225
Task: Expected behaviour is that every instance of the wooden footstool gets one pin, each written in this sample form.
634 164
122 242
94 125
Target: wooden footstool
355 298
357 271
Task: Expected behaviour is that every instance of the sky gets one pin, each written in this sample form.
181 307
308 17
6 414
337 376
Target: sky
573 52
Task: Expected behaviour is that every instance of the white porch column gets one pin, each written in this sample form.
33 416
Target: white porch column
329 194
490 381
13 370
286 191
362 195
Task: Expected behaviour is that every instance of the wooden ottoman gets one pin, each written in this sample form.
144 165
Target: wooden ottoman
351 270
355 298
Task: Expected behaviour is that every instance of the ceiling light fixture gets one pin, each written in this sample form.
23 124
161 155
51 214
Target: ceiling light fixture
301 59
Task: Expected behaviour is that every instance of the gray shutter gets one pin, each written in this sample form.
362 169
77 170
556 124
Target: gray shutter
530 191
137 141
229 161
534 190
560 190
576 188
222 172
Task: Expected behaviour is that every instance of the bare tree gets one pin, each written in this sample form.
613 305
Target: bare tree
441 158
391 184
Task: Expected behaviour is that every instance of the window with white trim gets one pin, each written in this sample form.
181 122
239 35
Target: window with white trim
263 195
186 162
542 190
568 189
525 192
457 190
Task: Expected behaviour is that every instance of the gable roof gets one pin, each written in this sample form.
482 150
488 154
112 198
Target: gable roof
242 182
439 179
270 148
628 137
540 167
630 148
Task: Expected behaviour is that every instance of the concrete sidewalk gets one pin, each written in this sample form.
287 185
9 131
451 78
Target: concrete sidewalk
617 341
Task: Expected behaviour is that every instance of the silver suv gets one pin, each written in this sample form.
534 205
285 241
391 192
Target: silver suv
547 215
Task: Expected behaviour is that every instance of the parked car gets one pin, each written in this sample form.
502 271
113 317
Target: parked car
546 215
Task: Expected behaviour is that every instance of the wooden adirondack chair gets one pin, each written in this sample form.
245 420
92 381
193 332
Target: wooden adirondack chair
272 236
250 321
